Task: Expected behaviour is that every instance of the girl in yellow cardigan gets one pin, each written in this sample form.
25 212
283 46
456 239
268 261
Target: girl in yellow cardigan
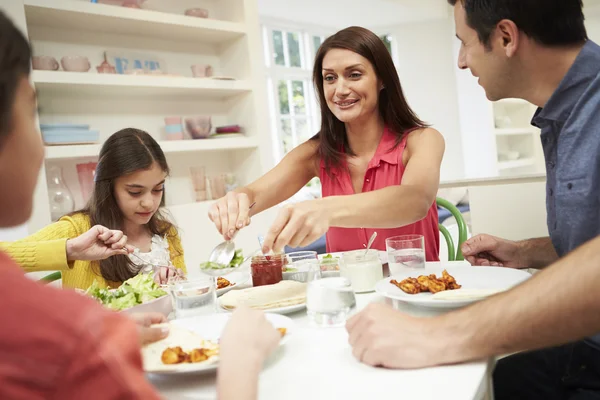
124 215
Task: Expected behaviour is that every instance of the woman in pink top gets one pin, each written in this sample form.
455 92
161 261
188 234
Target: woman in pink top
379 164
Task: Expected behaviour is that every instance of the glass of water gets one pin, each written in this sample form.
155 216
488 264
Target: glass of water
303 266
329 301
406 251
193 297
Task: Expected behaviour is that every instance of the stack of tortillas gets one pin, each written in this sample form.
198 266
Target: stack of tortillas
178 337
282 294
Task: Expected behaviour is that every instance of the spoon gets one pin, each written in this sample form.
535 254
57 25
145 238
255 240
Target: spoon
371 240
225 251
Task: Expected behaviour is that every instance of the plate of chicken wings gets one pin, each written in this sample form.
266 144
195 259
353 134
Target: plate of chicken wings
451 287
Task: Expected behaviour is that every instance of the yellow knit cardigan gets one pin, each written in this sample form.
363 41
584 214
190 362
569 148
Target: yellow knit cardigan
45 250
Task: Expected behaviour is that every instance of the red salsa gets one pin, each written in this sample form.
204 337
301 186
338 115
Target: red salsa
267 270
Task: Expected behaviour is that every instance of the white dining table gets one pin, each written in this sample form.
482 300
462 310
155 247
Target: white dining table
317 363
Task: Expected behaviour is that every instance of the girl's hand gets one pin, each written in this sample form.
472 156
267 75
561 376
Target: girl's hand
98 243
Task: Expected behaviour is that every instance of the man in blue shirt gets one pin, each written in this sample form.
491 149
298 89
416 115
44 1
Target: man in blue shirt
537 50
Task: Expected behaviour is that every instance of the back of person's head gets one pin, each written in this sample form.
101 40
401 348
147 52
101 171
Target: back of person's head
392 104
21 150
551 23
125 152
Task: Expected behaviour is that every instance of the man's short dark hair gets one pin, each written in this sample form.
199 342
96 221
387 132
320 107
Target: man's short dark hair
15 63
549 22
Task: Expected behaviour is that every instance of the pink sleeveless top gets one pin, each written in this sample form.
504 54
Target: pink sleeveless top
385 169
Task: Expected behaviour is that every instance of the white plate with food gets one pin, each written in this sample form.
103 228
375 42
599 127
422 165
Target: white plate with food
231 281
193 344
136 295
284 297
456 288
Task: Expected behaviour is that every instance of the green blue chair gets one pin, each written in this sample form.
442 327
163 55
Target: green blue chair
454 252
51 277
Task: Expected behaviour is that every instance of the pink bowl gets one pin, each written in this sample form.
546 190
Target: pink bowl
201 70
45 63
197 12
198 127
75 63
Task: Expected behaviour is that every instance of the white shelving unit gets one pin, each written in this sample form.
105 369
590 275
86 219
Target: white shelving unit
518 145
229 41
78 84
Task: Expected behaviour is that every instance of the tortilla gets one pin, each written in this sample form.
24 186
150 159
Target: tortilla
465 294
178 336
283 294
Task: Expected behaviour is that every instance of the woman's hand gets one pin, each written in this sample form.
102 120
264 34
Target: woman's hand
98 243
298 225
230 213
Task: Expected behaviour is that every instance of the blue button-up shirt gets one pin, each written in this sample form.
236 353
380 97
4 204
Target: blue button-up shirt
570 124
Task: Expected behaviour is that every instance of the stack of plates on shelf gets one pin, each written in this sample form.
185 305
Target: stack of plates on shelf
63 134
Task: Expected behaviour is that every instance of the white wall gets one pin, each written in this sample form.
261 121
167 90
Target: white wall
426 68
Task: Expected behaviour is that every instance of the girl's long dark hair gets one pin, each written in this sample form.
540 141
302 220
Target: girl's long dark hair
125 152
396 113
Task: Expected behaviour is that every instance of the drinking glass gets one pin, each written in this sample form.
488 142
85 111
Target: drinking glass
329 301
303 266
406 251
193 297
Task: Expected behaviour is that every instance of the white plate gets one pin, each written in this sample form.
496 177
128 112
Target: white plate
238 278
210 327
496 278
279 310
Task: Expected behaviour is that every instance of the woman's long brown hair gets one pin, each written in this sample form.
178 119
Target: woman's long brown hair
125 152
397 114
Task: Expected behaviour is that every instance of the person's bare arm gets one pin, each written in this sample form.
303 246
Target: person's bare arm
538 253
294 171
232 212
398 205
555 306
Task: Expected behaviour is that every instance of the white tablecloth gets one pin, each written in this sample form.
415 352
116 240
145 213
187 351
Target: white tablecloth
317 363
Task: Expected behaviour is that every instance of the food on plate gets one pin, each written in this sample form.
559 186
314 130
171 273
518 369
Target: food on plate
267 270
176 355
137 290
222 283
429 283
282 294
330 263
182 347
283 331
238 258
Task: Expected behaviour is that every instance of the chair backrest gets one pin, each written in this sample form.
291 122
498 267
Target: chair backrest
454 253
51 277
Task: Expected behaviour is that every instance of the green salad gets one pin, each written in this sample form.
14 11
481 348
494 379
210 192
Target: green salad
238 258
137 290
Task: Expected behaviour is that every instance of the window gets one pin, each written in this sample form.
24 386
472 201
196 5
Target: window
387 40
289 57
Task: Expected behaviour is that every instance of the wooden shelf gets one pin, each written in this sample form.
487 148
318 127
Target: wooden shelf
175 146
89 84
86 16
514 131
525 162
